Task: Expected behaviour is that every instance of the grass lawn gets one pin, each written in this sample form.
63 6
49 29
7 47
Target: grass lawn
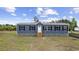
10 41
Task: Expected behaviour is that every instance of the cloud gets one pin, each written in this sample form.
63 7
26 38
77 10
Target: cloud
8 21
43 16
46 20
3 22
30 10
24 14
71 12
26 19
39 11
11 10
64 17
50 19
70 17
51 12
14 21
76 10
13 14
54 18
43 12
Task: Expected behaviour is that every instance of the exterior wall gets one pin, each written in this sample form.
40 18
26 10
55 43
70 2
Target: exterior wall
44 32
27 31
53 32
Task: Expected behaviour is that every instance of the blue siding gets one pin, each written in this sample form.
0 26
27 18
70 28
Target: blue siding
55 33
45 32
26 32
52 32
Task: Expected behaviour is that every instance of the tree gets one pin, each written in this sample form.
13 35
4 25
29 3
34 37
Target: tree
63 21
7 27
73 24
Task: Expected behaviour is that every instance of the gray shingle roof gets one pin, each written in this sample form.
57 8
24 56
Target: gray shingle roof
55 24
44 23
27 23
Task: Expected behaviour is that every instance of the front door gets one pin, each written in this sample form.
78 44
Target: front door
39 31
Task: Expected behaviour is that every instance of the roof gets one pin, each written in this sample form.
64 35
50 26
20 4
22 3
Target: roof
27 23
43 23
55 24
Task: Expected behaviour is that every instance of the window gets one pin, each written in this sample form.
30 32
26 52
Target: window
22 28
50 27
64 28
47 27
44 28
57 28
32 27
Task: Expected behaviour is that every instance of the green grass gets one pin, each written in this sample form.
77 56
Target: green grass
10 41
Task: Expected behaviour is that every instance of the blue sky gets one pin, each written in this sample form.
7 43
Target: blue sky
13 15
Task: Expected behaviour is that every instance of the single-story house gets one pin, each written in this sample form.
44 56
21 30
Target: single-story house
42 28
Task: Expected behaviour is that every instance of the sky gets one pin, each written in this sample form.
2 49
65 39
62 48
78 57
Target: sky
14 15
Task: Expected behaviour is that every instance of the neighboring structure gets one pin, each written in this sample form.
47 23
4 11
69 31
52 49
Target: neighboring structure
42 28
76 29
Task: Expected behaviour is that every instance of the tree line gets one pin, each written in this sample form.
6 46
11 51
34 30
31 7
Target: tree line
7 27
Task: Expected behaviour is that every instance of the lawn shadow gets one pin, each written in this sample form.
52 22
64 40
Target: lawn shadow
74 35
